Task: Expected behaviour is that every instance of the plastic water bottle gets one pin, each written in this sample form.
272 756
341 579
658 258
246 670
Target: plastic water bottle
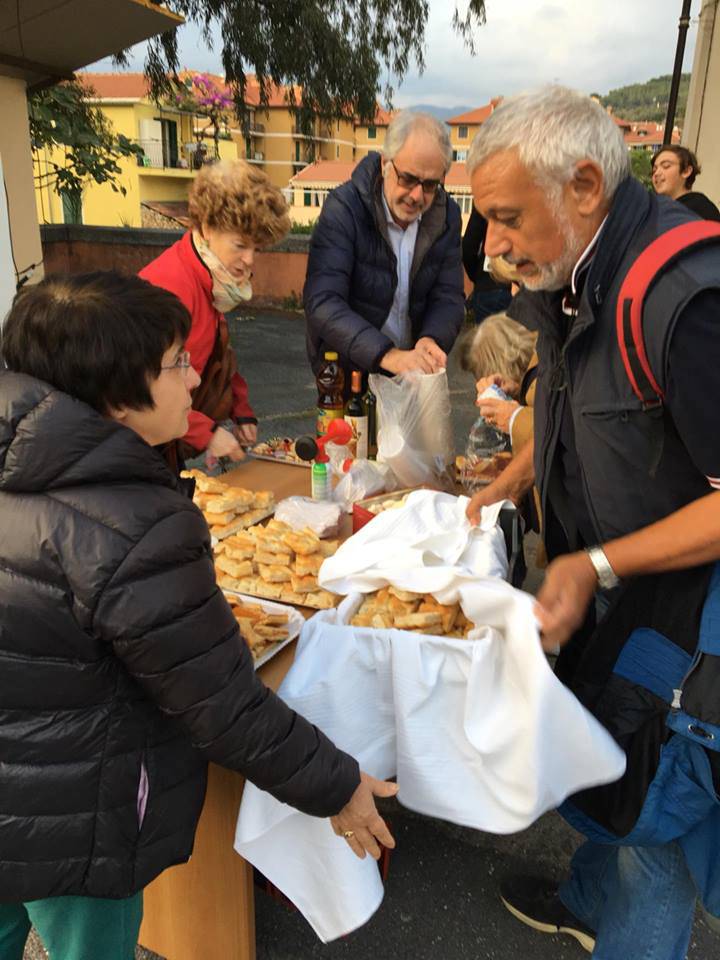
485 442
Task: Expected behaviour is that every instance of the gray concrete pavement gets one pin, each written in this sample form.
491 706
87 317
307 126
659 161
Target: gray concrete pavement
441 899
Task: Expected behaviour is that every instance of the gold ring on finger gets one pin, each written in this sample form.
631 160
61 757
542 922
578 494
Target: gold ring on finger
348 833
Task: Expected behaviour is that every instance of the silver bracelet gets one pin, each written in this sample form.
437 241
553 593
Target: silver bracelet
607 578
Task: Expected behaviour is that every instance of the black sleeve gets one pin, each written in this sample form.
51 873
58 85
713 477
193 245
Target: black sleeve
693 381
701 205
174 632
472 244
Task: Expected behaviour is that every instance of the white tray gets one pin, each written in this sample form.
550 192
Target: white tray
295 622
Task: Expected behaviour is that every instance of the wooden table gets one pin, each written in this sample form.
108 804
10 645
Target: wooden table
205 909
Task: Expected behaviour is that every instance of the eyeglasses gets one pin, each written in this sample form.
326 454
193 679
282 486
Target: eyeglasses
182 363
409 181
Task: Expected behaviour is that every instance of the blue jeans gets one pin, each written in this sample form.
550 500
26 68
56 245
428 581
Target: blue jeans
640 901
487 302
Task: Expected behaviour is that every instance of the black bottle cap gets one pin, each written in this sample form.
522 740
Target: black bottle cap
306 448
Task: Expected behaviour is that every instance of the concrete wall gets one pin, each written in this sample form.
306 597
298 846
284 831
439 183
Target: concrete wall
18 173
278 274
701 132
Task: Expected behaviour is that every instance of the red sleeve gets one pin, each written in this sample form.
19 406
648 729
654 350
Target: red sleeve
241 406
199 430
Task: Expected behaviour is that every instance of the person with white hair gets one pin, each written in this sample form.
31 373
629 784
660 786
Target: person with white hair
384 286
627 464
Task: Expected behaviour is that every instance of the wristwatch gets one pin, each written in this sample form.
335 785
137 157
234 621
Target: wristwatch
607 578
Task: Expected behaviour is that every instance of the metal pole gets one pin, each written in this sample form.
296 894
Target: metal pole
677 71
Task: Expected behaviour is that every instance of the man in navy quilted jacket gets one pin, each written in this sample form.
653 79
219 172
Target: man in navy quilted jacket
384 284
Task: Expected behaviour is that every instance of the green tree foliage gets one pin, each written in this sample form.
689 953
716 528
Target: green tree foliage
61 118
342 53
648 101
641 169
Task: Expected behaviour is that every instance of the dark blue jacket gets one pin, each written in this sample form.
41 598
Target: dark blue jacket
352 273
634 467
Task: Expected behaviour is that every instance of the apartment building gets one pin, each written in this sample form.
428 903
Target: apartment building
464 126
371 136
308 189
276 142
172 151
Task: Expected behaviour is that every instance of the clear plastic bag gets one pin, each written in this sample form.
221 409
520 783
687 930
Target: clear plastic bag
486 453
415 436
364 479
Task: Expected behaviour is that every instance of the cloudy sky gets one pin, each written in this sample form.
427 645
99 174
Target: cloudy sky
594 45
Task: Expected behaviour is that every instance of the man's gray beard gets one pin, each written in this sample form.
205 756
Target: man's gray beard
556 275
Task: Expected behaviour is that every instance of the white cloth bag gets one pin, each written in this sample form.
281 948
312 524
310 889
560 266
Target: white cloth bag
479 732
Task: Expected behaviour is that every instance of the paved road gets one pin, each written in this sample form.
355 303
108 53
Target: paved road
441 896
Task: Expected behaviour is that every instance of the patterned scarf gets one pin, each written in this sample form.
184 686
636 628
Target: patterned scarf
228 291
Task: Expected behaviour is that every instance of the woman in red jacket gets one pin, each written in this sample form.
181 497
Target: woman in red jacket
233 209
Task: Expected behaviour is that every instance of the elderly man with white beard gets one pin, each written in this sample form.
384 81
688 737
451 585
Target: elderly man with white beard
630 520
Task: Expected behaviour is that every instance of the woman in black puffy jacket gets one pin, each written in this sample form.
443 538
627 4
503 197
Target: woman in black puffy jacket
122 671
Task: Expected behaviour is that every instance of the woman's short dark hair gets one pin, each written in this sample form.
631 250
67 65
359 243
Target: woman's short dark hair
686 157
99 337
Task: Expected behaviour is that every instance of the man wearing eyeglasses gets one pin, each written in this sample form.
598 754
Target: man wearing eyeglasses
384 284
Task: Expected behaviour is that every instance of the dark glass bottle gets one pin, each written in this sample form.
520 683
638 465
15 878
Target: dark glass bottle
370 403
357 417
330 381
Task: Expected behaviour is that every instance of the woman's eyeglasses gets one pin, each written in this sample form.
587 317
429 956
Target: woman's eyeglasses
409 181
182 363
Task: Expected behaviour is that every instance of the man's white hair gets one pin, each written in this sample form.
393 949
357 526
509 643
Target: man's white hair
553 128
407 122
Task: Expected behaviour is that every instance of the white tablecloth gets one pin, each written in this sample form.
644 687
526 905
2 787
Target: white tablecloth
478 732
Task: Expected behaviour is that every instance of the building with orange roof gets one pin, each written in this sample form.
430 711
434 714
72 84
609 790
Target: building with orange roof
40 45
464 126
371 136
308 189
173 147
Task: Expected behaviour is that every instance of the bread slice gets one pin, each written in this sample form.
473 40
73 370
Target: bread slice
236 568
274 573
303 542
428 621
308 564
268 557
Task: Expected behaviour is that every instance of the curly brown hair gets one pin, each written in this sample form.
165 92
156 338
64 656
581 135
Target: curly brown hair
237 197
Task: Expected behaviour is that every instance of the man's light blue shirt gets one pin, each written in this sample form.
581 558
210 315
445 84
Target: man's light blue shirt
397 325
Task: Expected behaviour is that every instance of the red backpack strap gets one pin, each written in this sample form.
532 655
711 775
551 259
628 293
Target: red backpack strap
654 259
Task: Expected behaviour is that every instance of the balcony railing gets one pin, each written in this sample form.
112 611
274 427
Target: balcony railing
152 153
189 156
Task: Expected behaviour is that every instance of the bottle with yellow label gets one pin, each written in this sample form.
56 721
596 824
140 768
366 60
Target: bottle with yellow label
330 381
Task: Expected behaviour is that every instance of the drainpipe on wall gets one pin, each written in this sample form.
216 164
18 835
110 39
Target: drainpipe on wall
677 71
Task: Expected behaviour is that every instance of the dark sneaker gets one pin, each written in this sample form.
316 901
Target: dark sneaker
536 902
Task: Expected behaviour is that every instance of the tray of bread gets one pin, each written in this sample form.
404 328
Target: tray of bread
229 509
279 450
391 608
276 562
267 627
